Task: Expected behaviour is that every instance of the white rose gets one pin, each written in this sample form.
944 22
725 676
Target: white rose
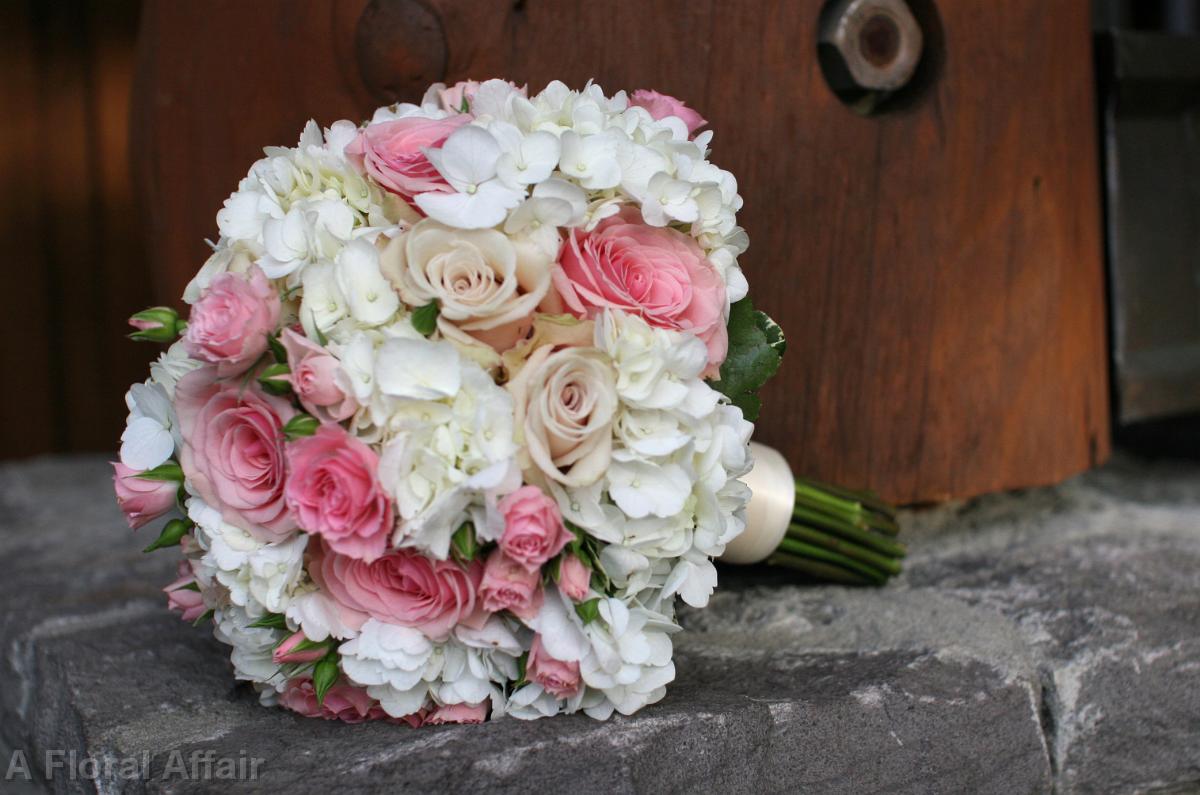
565 402
476 276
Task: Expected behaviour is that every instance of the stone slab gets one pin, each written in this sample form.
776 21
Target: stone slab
1038 641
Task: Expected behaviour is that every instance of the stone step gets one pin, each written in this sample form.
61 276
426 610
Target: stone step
1041 641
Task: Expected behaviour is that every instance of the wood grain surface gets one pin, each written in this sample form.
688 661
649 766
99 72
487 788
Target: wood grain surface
937 266
73 263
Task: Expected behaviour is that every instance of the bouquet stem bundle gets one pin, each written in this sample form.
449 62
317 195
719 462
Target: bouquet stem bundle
841 536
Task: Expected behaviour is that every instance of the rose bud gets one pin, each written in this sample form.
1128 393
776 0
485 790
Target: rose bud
573 578
508 585
184 596
559 679
140 499
287 652
157 324
533 527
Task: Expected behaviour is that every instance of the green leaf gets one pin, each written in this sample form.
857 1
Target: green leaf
464 543
205 616
589 611
772 332
325 673
171 533
756 345
273 379
169 472
270 621
277 349
424 319
300 425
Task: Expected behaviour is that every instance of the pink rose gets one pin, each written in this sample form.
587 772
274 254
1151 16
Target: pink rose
452 98
657 273
233 450
559 679
402 587
286 652
333 492
533 527
183 596
313 378
390 152
141 500
342 702
573 578
229 325
508 585
457 713
661 105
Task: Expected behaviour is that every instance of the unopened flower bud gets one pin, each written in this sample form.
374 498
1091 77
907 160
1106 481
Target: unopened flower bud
296 648
157 324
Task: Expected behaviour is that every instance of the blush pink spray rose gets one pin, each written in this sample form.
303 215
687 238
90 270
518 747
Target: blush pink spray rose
391 152
332 491
656 273
233 452
533 527
229 325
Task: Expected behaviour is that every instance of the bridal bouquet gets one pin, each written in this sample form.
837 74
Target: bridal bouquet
459 408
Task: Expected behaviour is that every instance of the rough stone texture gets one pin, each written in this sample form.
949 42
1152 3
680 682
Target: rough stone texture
1041 641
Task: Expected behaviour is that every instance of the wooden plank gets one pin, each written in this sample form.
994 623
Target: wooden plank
937 267
29 401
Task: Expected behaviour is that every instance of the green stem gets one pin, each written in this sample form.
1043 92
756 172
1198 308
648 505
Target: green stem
827 503
883 524
866 498
802 515
876 576
850 550
817 570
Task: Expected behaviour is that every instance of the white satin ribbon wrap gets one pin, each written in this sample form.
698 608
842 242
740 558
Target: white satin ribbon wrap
770 508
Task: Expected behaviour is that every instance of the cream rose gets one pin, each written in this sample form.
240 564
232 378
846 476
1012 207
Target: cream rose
482 284
565 401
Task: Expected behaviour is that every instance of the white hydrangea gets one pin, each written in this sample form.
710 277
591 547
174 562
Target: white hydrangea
170 366
251 571
312 611
252 646
447 432
394 663
299 206
151 431
624 654
401 667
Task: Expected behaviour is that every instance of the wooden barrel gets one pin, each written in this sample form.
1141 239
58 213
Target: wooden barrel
936 262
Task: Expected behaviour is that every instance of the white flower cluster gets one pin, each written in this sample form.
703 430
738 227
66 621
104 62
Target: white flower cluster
492 292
